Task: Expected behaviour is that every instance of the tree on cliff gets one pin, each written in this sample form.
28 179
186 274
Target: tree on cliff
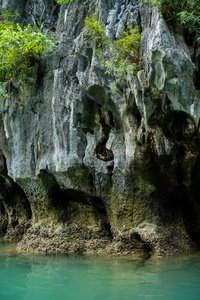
39 20
181 12
21 46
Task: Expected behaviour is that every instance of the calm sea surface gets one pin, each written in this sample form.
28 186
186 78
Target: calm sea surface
70 277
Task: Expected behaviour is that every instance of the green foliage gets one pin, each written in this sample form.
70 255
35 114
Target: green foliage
123 54
20 48
124 57
181 12
94 32
63 1
4 91
191 20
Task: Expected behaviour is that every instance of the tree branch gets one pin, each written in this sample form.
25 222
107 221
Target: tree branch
37 22
23 8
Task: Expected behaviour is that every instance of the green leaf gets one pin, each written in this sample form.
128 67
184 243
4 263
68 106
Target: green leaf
19 49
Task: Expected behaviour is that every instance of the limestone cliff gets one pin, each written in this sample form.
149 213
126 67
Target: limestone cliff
86 169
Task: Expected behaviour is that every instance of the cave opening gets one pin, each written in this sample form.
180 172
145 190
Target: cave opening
106 121
191 207
196 79
15 210
74 208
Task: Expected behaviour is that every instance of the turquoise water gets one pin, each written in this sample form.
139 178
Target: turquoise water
35 277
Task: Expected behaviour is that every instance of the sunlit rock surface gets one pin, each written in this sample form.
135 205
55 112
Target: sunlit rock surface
86 169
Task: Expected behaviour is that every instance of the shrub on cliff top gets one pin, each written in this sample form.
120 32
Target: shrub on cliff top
19 49
182 12
122 55
94 33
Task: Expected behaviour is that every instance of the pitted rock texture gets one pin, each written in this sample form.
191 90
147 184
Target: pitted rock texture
86 169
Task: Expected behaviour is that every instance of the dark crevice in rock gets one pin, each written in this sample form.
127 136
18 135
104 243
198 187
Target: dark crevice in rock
95 114
148 249
72 219
69 207
189 38
111 119
191 205
86 130
3 219
129 242
83 60
101 151
134 111
88 116
15 209
91 180
40 75
197 80
77 208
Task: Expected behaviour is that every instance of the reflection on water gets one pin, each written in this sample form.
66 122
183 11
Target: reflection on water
35 277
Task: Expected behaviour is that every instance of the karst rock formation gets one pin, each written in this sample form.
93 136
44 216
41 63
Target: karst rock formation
84 168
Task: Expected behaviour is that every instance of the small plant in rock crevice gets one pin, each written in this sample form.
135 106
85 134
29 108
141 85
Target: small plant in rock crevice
120 57
94 33
63 1
124 53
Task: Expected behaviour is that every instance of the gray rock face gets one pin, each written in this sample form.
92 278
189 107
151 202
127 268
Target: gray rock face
89 169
